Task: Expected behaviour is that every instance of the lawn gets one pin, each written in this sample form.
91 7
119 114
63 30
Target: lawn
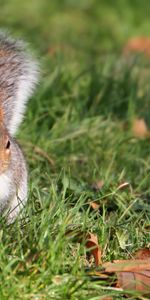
78 132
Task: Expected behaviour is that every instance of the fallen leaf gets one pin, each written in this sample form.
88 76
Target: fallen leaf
142 254
134 281
139 128
92 244
126 265
131 274
90 241
128 275
123 186
138 45
94 205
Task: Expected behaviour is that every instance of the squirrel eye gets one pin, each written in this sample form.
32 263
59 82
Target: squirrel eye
8 145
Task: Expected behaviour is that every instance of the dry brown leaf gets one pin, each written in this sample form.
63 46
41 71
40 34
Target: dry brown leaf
134 281
142 254
92 244
123 186
94 205
139 128
90 241
131 274
138 45
127 265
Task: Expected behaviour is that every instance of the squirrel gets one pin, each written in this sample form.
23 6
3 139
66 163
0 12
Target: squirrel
18 78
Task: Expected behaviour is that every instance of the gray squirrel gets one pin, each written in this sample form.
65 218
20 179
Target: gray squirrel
18 78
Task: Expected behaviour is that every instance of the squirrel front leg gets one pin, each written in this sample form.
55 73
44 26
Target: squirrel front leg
17 202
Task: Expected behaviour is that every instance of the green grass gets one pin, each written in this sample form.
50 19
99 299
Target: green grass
77 131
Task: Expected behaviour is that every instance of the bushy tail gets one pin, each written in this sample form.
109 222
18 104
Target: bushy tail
19 74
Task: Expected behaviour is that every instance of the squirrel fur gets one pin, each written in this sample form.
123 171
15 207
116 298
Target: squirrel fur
18 78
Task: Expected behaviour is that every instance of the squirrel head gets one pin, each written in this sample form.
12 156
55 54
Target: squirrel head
5 147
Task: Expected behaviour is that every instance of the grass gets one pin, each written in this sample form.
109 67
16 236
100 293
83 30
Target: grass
77 131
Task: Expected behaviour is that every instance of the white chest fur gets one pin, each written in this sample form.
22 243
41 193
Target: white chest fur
5 188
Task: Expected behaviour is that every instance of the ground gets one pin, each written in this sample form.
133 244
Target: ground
78 132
